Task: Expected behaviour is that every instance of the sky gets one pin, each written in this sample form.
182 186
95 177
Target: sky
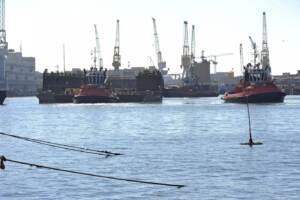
43 26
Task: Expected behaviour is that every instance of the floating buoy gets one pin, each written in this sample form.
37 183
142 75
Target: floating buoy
250 142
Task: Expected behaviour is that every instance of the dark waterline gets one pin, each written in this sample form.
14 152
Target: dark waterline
191 141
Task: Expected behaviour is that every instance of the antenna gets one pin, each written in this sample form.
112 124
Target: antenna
64 58
21 46
241 58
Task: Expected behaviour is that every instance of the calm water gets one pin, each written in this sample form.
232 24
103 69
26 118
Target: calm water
184 141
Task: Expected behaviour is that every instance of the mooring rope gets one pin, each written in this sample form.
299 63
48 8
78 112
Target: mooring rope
3 159
63 146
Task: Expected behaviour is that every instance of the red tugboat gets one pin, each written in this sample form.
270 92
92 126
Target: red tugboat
257 85
94 89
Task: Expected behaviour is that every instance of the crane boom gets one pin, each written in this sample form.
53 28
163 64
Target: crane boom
254 47
117 57
160 63
156 41
99 60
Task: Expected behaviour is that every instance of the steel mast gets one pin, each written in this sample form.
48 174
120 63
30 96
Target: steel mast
185 57
193 45
241 58
99 60
265 50
3 43
160 63
117 57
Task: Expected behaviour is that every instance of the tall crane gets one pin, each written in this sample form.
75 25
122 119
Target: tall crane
265 50
185 57
193 45
160 63
117 57
98 59
3 43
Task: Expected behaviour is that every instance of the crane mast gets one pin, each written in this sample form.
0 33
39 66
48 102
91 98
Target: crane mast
193 44
185 57
98 59
160 63
265 50
3 43
117 57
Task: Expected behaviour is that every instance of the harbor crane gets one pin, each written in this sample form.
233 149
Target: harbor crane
3 43
117 57
213 59
185 57
265 61
97 52
160 63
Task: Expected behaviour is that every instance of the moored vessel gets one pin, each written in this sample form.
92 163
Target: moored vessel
94 89
257 85
59 87
255 92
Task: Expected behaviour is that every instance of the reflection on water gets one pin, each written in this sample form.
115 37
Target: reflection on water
192 141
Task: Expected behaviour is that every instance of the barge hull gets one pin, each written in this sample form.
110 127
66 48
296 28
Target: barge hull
93 99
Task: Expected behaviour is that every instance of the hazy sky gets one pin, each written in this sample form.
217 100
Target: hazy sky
44 25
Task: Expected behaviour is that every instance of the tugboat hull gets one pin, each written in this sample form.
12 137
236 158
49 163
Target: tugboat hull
94 94
271 97
2 96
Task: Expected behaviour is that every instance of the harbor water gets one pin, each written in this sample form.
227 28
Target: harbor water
190 141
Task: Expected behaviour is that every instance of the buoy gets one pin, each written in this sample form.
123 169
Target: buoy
250 142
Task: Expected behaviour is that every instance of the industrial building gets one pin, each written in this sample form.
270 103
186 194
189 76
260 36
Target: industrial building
289 82
18 74
201 72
